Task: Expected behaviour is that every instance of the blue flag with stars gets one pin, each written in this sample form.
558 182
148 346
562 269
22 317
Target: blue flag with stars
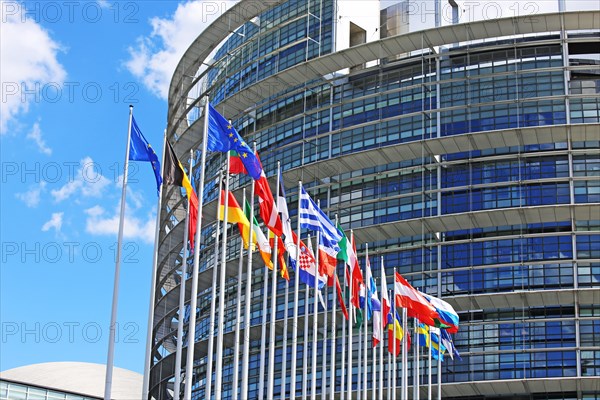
140 150
222 136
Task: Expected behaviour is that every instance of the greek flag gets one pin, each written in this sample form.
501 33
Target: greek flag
313 218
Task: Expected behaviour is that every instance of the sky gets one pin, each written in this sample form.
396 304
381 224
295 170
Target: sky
69 70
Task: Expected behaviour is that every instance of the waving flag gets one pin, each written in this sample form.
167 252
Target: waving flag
393 320
174 174
235 215
331 281
313 218
327 259
386 306
259 238
267 207
288 234
308 267
356 277
221 136
280 255
449 344
448 318
416 305
429 337
140 150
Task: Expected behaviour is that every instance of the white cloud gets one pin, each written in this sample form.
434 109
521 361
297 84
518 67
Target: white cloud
54 222
31 198
153 59
87 181
99 222
36 136
28 60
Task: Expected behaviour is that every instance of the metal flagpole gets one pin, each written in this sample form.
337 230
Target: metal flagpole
333 361
285 312
189 369
146 379
238 312
404 353
211 325
383 318
313 376
284 346
115 299
263 333
222 273
343 363
271 369
350 327
429 368
248 299
305 347
394 357
373 376
181 312
350 343
365 337
439 371
392 360
416 361
324 344
295 317
332 345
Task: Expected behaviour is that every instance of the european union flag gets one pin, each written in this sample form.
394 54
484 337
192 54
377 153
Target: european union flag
140 150
222 136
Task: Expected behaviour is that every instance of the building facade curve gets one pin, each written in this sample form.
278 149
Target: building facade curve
465 156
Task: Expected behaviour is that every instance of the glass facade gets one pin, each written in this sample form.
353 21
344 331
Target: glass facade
472 168
17 391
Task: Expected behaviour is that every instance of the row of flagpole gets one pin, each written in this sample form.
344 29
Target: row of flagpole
328 239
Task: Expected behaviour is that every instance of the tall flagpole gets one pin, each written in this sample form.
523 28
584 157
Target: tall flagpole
366 328
211 325
189 368
295 317
271 369
439 383
238 312
248 298
343 364
313 376
439 370
222 273
146 379
350 351
115 299
394 357
429 367
305 346
285 312
380 328
406 332
332 362
263 333
416 361
181 312
350 327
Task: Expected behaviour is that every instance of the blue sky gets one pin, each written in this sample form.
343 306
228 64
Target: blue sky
69 70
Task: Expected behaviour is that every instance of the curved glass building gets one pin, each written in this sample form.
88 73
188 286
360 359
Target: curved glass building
466 155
